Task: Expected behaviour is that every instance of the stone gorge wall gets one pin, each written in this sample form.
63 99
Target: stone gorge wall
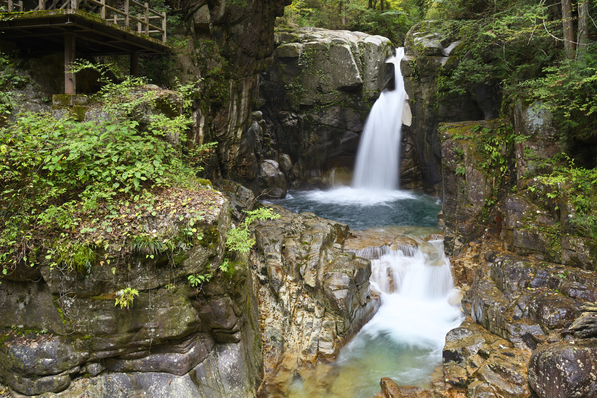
426 53
62 333
526 268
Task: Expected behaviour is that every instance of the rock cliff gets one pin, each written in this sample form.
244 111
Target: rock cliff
317 94
519 249
427 52
62 333
313 294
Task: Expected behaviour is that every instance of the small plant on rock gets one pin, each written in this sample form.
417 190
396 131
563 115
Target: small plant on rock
125 297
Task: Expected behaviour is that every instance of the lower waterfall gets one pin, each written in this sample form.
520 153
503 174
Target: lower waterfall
404 340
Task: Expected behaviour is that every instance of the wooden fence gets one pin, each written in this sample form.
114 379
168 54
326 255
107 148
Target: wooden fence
148 21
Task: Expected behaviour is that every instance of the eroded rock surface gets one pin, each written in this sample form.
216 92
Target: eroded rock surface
530 325
313 295
58 325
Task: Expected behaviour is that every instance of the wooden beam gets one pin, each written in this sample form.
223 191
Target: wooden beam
70 85
134 60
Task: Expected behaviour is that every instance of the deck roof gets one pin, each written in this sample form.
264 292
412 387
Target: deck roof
40 32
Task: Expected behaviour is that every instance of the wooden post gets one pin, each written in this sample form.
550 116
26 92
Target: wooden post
164 26
42 5
9 5
138 23
147 19
69 56
126 13
103 9
134 60
21 5
74 4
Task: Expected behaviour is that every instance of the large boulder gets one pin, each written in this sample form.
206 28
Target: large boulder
272 183
564 370
517 306
317 94
313 294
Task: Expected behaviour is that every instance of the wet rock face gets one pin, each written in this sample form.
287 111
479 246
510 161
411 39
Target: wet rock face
565 370
61 332
518 306
318 92
468 185
272 182
313 295
426 53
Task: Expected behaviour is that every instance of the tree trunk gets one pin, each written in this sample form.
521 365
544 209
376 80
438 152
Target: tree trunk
583 28
381 5
370 5
568 29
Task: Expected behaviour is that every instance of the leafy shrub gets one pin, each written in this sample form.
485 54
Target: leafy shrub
580 187
239 238
569 90
58 175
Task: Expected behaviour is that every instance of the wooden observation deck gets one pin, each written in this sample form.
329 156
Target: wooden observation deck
92 27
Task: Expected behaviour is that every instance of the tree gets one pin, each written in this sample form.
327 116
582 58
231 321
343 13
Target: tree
568 26
583 28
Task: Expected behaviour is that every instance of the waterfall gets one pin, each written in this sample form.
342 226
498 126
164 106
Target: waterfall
377 164
417 294
404 340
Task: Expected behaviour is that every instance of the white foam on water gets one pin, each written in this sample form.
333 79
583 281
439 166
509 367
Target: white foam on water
357 196
416 310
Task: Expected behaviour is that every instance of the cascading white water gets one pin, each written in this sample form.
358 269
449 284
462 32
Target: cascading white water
404 340
377 164
417 295
419 306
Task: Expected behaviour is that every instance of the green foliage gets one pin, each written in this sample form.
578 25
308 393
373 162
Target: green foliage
393 22
569 91
125 297
239 239
517 45
506 43
9 80
579 186
63 181
198 280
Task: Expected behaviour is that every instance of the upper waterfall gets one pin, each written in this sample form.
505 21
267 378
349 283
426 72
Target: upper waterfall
377 164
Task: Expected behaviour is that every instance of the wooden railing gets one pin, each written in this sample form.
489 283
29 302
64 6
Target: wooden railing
147 21
12 6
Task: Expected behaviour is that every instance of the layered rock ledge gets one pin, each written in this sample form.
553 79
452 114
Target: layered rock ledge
313 295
